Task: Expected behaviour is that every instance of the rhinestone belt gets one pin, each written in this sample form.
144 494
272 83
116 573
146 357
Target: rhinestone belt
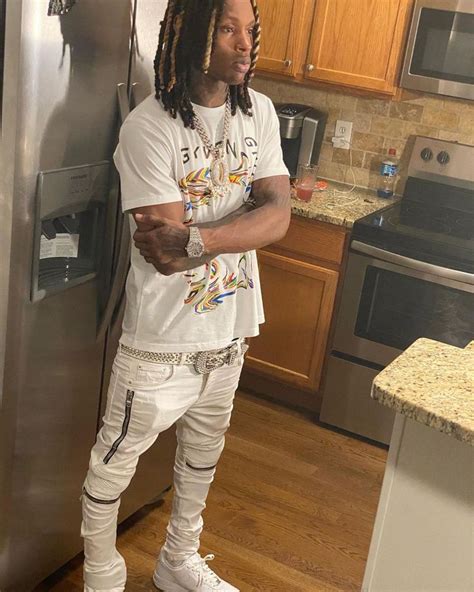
204 362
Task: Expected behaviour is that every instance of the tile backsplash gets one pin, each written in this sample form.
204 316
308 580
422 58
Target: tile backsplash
378 126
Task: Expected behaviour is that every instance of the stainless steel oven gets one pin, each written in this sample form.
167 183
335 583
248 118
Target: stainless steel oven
391 300
410 274
440 52
388 302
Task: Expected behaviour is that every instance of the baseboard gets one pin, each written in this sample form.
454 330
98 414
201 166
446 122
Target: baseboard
279 392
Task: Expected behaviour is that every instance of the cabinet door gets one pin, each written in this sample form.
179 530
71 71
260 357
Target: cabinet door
299 300
358 43
283 43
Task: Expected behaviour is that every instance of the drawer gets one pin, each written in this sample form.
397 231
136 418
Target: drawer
314 239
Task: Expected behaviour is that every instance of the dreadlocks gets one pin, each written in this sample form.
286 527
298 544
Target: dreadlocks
186 39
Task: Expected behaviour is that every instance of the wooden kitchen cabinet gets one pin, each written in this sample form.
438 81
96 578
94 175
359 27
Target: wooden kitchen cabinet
358 43
351 43
299 278
286 29
299 300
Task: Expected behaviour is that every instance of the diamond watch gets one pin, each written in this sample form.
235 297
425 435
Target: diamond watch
195 246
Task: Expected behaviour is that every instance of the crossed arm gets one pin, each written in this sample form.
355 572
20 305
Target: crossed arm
161 235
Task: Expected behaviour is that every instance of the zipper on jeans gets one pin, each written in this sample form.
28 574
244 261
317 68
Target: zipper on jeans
125 424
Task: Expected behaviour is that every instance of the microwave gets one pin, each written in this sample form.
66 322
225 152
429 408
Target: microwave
440 52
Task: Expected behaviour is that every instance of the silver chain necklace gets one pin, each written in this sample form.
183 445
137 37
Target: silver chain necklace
220 184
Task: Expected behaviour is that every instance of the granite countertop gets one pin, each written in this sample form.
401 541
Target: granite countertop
338 208
432 383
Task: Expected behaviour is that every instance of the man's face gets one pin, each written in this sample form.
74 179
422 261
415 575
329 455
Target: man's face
230 60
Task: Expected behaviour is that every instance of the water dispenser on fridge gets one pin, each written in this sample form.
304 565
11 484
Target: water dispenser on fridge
69 227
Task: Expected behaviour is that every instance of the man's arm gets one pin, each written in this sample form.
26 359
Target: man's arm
244 209
265 224
174 212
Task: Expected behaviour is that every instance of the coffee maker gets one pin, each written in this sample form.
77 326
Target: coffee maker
302 132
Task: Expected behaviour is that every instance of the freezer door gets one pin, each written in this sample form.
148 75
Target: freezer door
59 111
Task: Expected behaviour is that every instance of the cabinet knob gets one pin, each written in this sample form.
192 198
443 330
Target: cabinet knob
287 63
309 67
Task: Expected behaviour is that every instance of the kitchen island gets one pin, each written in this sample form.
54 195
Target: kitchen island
423 534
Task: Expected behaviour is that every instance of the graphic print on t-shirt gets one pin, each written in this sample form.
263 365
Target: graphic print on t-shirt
219 285
208 292
196 186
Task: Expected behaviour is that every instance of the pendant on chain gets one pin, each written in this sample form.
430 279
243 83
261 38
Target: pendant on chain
220 177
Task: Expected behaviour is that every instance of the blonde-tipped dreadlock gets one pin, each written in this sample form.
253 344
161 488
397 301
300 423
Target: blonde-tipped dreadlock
178 23
186 41
210 42
256 40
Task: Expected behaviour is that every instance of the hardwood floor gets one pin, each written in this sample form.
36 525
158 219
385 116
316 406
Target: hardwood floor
291 510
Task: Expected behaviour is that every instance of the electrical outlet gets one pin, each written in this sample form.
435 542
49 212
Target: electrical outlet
343 136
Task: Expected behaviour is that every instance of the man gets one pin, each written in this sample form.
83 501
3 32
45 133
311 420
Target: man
202 173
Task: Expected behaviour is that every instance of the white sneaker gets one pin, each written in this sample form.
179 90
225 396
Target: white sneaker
194 575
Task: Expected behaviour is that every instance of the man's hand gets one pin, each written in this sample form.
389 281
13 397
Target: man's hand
162 243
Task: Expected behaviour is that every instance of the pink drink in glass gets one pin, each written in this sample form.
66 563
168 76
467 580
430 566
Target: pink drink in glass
304 192
305 181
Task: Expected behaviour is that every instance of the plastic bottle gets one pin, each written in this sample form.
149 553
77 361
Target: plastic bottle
388 175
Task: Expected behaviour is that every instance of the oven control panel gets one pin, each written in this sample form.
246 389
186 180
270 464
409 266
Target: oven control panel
441 160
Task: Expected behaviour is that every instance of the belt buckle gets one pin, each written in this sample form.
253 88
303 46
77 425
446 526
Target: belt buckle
207 361
232 354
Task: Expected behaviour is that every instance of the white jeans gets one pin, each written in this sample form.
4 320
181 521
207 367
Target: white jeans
144 399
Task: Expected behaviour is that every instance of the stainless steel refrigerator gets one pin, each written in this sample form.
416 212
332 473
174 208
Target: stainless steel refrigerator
64 249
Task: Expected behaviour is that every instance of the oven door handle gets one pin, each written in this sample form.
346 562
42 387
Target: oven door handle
444 272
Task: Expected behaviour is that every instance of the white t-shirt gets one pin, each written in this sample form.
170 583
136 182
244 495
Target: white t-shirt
160 161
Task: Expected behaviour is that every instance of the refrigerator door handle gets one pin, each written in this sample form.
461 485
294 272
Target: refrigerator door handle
123 102
123 257
118 283
137 94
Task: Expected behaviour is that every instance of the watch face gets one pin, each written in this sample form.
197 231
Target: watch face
195 249
195 246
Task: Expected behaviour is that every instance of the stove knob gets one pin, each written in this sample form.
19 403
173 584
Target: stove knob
427 154
443 157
